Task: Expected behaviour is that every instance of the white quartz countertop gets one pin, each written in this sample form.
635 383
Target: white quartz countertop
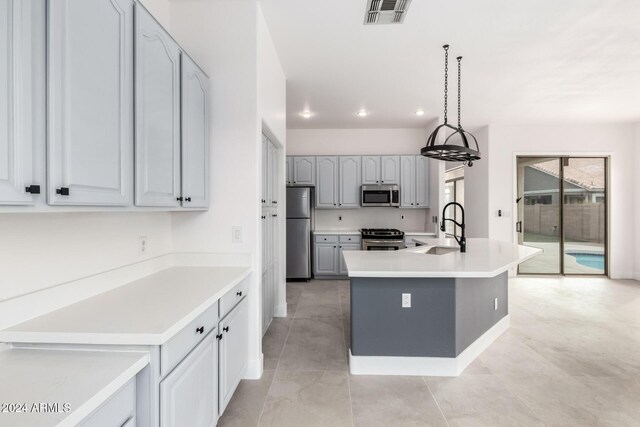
484 258
148 311
82 379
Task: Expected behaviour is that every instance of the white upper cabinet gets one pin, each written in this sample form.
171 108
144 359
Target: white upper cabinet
390 170
304 170
422 182
195 136
349 182
90 117
370 170
327 182
157 83
407 181
22 101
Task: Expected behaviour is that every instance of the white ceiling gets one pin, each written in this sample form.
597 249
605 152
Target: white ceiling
524 61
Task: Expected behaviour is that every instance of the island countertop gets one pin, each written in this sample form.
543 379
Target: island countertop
483 258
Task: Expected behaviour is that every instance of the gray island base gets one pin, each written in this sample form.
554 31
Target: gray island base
429 310
450 322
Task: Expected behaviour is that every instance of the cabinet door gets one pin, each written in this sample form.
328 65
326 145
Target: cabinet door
407 181
265 170
196 160
370 170
327 183
271 177
274 172
326 259
390 170
22 100
90 126
157 114
304 170
189 394
349 182
289 176
233 351
346 247
422 182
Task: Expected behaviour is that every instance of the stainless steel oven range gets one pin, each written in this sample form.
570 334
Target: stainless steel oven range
382 239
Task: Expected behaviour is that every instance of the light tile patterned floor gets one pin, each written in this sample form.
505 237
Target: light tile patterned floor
571 357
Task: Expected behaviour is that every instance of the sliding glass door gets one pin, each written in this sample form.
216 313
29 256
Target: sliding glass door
562 209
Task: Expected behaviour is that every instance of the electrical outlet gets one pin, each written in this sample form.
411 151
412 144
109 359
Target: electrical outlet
236 234
142 245
406 300
495 304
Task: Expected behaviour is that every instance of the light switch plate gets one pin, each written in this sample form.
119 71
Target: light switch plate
236 234
406 300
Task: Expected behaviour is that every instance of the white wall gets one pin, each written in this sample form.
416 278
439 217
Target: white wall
635 195
161 10
615 140
227 37
358 142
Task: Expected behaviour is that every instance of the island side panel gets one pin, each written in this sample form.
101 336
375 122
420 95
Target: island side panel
475 310
380 326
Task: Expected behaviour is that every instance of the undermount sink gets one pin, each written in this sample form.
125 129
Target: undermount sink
441 250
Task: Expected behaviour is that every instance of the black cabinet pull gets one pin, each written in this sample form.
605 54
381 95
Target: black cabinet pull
263 217
200 330
264 201
187 199
219 337
33 189
226 329
239 293
275 202
179 199
274 215
63 191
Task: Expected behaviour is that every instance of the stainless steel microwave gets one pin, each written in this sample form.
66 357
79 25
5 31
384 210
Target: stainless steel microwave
380 195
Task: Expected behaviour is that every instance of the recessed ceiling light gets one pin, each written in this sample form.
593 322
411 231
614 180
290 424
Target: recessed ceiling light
362 113
419 112
306 114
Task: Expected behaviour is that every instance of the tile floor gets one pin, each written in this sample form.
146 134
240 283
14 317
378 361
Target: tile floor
571 358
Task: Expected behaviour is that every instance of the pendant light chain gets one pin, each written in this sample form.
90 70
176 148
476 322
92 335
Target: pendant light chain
446 79
459 58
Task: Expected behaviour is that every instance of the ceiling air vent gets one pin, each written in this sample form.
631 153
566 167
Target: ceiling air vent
386 11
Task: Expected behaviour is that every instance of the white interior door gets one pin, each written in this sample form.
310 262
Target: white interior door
90 55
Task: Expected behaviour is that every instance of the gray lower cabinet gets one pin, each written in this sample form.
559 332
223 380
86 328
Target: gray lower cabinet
90 102
22 101
233 330
328 259
118 410
304 170
157 143
188 395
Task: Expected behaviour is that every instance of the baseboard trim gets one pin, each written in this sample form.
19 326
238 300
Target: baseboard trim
427 366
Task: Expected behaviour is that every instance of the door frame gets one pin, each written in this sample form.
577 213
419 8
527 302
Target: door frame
608 157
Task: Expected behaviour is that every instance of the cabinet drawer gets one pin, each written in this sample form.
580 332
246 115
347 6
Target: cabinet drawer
119 410
233 297
326 239
184 341
350 239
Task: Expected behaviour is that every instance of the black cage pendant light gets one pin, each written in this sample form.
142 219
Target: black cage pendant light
455 147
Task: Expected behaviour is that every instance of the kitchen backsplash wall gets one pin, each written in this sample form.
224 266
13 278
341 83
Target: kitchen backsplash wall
355 219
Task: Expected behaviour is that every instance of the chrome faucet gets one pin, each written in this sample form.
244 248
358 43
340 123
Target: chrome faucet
462 241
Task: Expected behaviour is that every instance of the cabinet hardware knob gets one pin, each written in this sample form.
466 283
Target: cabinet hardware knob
226 329
239 293
187 199
294 182
264 201
274 215
179 199
200 330
334 246
33 189
275 202
63 191
411 204
219 337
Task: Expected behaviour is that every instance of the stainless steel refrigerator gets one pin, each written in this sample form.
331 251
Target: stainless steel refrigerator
299 216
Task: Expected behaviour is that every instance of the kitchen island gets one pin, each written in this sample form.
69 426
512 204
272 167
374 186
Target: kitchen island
429 310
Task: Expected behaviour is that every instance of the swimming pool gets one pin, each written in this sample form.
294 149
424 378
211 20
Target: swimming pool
589 260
